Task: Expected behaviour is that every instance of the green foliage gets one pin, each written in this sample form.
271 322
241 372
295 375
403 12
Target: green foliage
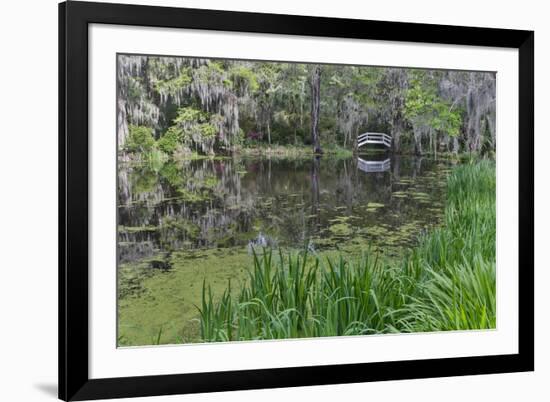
268 75
174 85
424 107
239 138
274 100
213 73
171 139
243 79
190 114
135 87
457 263
367 80
140 139
216 66
420 98
192 126
446 120
448 282
207 130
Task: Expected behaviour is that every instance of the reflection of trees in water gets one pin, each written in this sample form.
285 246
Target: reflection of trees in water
412 166
315 194
416 166
396 163
349 181
223 203
186 206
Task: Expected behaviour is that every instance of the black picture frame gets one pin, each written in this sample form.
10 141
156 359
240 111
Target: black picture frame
74 381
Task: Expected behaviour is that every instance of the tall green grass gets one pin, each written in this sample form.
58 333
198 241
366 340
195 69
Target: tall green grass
447 282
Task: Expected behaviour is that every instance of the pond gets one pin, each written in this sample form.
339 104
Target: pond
199 220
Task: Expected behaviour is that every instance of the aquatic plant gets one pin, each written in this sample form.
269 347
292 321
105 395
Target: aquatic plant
295 296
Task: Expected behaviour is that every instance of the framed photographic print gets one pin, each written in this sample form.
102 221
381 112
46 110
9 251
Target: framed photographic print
258 200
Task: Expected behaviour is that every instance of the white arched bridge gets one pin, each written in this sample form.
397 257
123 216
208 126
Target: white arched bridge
377 139
374 138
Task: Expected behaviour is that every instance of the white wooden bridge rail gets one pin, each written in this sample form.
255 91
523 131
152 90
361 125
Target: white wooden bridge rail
374 138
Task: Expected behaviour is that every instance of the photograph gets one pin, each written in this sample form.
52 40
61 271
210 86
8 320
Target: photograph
268 200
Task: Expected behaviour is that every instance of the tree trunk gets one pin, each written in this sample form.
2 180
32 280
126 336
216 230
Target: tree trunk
315 108
355 142
396 134
491 127
456 145
433 142
417 135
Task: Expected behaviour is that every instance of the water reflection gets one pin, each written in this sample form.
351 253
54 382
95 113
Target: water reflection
321 203
369 166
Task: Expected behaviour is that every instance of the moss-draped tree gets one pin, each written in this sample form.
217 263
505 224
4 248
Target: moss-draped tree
219 106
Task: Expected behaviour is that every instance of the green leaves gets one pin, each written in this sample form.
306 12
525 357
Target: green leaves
244 79
446 120
212 73
423 106
191 125
170 140
190 114
174 85
140 139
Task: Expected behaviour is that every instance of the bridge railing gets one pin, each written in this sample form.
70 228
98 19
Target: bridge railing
374 138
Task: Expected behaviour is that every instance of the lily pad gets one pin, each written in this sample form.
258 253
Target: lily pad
400 194
340 229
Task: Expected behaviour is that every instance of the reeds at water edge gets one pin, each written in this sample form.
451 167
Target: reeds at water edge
446 282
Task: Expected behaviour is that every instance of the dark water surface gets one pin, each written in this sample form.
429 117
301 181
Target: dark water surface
325 203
